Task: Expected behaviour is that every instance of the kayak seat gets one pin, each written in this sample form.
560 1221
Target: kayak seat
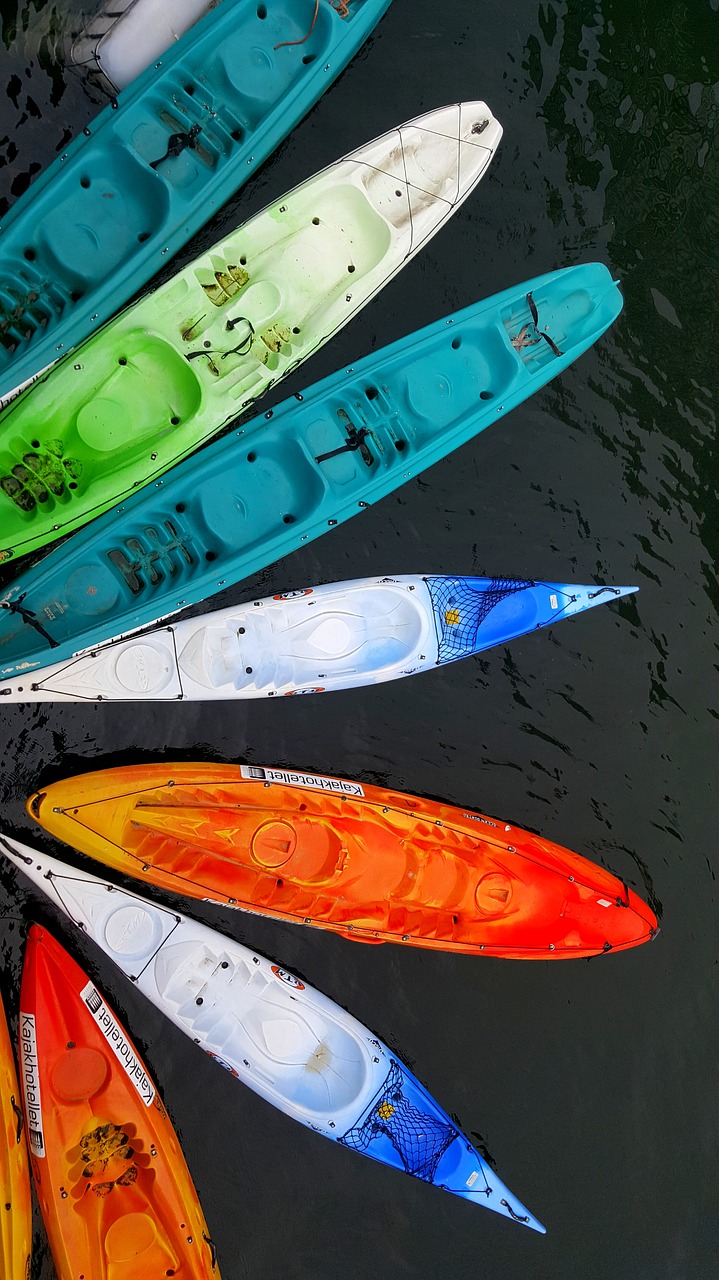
150 375
300 852
95 223
133 1243
217 656
247 69
341 640
311 1060
344 235
248 1017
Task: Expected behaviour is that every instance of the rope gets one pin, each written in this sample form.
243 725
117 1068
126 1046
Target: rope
341 8
285 43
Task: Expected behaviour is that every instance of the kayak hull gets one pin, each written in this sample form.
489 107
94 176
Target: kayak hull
313 640
372 864
277 482
291 1044
146 174
170 371
15 1204
116 1196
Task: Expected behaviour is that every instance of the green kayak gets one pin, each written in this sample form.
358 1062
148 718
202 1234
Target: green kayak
172 370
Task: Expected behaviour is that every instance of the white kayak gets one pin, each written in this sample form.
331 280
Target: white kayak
292 1045
337 636
125 36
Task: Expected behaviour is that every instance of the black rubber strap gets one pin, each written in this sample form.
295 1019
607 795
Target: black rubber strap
176 144
535 318
355 440
29 618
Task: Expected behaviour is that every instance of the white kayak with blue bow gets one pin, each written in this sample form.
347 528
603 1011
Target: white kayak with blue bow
313 640
294 1046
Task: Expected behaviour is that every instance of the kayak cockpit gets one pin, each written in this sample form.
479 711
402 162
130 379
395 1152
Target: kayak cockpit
291 643
259 1024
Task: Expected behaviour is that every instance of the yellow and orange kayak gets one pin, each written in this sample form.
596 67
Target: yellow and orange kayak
15 1204
364 861
116 1195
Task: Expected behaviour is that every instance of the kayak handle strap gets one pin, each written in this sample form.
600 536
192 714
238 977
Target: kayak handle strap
517 1217
355 440
535 320
242 348
27 615
177 143
19 1118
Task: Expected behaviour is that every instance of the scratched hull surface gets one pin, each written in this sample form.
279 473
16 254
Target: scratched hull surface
297 1049
302 468
373 864
140 179
171 370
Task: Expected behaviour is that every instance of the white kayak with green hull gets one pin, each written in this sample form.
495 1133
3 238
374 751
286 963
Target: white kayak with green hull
170 371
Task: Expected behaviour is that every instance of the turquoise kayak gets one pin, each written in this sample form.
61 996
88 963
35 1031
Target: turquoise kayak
170 371
155 165
302 468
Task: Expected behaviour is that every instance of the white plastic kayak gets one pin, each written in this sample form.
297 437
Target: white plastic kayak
314 640
125 36
291 1044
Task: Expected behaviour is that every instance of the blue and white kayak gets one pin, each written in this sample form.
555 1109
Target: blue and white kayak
313 640
121 40
291 474
295 1047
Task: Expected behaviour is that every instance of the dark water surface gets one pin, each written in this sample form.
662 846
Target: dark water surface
591 1084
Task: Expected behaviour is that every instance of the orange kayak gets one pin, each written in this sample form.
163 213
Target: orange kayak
364 861
116 1195
15 1205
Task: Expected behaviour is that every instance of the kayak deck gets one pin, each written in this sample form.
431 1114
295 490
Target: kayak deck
288 1042
141 179
173 369
293 473
116 1195
374 864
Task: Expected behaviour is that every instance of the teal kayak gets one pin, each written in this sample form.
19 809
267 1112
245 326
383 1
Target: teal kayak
302 468
154 165
169 372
